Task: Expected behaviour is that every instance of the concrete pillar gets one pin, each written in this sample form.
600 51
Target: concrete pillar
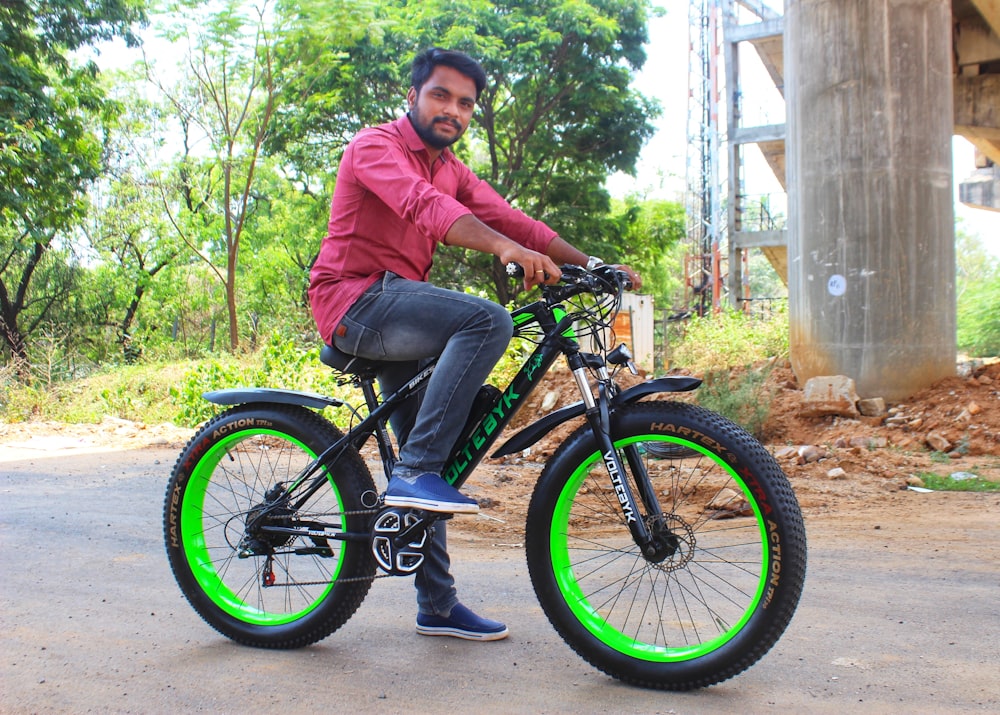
871 254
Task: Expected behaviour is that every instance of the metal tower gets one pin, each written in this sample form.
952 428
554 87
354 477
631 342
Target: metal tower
706 226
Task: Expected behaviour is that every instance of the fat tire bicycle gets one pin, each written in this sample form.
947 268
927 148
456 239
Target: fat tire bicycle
664 543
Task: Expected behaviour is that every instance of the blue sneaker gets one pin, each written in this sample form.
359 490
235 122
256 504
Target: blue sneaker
461 623
429 492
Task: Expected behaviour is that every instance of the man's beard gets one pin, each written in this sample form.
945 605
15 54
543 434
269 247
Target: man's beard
427 133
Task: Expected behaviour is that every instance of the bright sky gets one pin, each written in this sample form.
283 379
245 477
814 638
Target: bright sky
661 171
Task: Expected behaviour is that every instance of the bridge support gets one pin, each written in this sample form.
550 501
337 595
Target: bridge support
871 257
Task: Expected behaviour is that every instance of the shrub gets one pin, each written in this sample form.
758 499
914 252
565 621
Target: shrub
728 338
978 319
712 345
739 395
280 364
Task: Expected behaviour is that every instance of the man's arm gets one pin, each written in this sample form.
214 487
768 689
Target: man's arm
562 253
470 232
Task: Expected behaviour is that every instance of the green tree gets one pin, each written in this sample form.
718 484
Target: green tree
282 237
978 288
132 236
225 100
127 226
558 114
54 117
652 234
978 322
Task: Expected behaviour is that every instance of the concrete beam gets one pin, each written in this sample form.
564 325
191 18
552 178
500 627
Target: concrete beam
975 44
759 9
987 147
755 135
774 155
760 239
772 54
756 31
982 189
977 112
777 256
990 10
977 102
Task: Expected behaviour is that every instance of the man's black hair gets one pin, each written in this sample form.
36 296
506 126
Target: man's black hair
426 61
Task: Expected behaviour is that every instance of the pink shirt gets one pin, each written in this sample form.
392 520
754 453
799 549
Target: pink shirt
390 209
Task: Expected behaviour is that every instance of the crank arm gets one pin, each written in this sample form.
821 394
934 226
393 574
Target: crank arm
416 529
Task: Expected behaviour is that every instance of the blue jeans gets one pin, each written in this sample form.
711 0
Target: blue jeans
406 323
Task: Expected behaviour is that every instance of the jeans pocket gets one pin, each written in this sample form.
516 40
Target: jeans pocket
354 338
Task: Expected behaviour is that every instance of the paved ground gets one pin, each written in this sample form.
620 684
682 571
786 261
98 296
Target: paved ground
900 614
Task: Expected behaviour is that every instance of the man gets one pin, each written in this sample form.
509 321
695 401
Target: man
400 191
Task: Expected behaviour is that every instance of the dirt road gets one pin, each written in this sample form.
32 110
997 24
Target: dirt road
901 613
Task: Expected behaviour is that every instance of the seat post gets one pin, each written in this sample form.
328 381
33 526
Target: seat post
367 384
366 381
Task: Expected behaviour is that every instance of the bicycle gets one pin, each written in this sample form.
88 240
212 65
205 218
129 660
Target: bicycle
663 541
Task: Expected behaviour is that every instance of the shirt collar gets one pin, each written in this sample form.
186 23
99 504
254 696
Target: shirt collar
413 141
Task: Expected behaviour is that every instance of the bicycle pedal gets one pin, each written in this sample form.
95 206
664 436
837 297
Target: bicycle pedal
394 557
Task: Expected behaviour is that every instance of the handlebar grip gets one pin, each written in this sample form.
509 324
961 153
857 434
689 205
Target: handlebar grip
516 270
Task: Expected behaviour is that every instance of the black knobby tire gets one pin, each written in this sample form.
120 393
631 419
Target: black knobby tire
700 612
220 480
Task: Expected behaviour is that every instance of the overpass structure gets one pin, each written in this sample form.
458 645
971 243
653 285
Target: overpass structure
873 91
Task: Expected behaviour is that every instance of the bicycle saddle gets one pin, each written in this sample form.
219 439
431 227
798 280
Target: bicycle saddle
339 360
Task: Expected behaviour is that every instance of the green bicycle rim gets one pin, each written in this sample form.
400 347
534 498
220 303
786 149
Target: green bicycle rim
596 624
196 551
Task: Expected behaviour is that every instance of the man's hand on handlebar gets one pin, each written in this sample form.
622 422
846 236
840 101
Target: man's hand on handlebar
634 278
621 276
629 278
538 268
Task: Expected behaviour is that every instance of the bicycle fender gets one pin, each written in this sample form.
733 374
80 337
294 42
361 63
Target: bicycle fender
245 395
672 383
536 430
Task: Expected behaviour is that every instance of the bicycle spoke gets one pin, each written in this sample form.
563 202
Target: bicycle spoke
702 587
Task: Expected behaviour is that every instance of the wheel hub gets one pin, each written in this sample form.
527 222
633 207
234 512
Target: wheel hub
257 541
672 544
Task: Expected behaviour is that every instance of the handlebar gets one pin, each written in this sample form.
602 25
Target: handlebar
605 279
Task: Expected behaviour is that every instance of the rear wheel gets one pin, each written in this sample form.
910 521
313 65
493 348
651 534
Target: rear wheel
729 563
263 569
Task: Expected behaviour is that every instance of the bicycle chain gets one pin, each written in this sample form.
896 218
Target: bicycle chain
353 579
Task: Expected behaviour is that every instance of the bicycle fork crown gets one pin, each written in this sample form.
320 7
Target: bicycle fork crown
398 539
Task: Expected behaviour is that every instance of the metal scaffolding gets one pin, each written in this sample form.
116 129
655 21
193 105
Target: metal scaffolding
705 222
722 219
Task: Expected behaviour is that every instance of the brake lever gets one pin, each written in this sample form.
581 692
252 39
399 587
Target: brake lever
613 277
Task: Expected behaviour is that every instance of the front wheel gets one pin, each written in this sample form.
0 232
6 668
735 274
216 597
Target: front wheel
263 567
725 577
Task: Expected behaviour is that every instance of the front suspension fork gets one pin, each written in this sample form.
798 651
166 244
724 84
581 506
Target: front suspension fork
599 418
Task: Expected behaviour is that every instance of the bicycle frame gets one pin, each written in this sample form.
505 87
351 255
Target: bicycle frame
559 339
497 414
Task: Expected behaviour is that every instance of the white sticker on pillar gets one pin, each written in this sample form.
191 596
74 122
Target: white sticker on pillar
837 285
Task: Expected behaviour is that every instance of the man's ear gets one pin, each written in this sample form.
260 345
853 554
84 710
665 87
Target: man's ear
411 97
